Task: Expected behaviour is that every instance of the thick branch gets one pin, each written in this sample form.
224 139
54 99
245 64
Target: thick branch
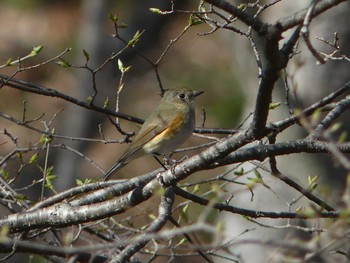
249 20
261 152
296 19
64 214
80 210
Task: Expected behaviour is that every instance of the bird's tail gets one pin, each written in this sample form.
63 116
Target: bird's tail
113 169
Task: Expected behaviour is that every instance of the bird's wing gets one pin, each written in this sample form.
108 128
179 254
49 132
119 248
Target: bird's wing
143 136
135 149
154 125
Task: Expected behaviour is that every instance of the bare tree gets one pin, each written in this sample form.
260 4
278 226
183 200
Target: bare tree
158 216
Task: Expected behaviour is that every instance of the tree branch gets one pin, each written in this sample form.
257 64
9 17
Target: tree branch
297 18
164 210
254 22
251 213
41 90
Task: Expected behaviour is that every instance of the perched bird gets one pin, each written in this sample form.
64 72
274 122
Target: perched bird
168 126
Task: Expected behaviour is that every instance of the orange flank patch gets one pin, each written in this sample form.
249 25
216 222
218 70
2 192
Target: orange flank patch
173 128
162 139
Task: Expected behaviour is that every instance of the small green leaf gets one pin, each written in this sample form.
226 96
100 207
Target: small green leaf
196 188
89 99
194 20
49 173
258 175
36 50
34 158
120 65
4 174
21 197
182 241
9 62
127 68
19 156
156 11
316 117
123 25
86 181
252 182
114 18
342 137
63 63
242 6
311 179
274 105
86 55
313 187
336 126
312 182
48 139
79 182
45 139
122 68
185 209
106 103
152 216
135 39
240 172
49 179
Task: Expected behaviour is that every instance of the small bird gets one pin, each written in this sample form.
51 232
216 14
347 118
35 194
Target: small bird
168 126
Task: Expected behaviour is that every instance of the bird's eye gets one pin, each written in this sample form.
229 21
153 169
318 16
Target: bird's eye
182 95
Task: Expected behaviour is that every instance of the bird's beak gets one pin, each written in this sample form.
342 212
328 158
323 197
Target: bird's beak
197 93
